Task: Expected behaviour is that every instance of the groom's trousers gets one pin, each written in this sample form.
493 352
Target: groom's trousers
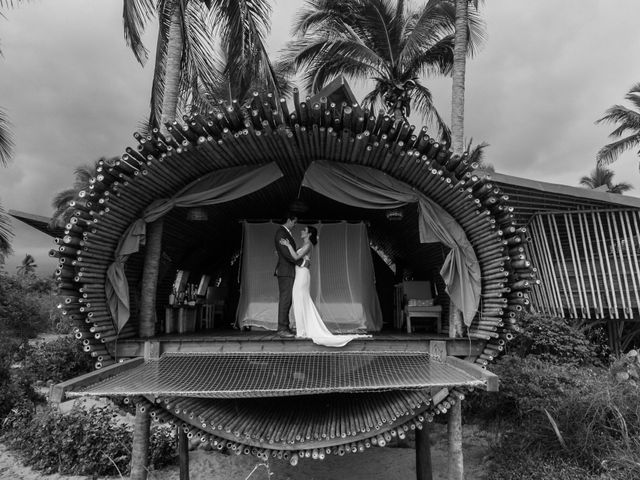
285 288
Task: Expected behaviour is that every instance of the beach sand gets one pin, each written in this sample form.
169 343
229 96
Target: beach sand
388 463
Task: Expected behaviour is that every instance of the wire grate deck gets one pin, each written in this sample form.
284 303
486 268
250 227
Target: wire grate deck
237 375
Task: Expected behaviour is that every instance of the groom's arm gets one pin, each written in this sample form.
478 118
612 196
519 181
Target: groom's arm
283 250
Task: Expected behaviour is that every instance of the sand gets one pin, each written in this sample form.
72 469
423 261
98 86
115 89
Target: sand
387 463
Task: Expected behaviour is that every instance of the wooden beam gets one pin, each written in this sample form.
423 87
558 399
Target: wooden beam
491 379
183 453
424 468
57 392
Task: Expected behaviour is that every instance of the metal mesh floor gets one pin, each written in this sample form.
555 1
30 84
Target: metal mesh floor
235 375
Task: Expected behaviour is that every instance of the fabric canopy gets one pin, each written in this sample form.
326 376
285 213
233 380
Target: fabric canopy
217 187
366 187
342 278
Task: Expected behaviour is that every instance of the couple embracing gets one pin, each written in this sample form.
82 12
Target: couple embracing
294 278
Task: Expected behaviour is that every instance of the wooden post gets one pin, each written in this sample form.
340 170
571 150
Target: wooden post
456 467
183 453
140 447
150 279
424 470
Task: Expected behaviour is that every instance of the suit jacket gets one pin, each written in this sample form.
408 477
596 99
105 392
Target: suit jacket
286 266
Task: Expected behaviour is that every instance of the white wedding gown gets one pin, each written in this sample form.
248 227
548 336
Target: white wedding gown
308 321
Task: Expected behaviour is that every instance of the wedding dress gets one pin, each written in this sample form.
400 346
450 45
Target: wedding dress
309 324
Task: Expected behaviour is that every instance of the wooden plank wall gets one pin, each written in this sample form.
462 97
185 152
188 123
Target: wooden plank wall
588 263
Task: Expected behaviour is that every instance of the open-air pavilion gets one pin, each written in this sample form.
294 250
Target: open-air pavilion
439 280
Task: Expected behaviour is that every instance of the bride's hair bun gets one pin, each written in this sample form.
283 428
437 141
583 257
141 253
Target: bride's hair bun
313 234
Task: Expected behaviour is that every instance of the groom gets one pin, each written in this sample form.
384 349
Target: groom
286 272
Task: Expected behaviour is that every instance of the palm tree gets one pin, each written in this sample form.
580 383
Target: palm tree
60 203
378 40
28 266
6 151
187 67
628 121
460 51
603 177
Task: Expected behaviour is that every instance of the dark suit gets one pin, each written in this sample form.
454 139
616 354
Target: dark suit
286 272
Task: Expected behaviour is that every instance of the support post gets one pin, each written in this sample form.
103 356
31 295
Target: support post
424 469
183 453
140 447
456 467
150 279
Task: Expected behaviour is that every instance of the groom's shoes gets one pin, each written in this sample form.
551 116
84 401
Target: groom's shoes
285 334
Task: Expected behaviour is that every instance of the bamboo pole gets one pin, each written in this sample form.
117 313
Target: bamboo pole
577 265
557 248
618 244
620 289
606 275
588 253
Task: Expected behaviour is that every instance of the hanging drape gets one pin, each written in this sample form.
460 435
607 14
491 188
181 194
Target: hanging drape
214 188
366 187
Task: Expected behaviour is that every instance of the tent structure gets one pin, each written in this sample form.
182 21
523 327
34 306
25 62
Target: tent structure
426 216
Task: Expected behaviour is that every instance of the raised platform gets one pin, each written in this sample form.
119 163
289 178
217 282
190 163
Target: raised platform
230 341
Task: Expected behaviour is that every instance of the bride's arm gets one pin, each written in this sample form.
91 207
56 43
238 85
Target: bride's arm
300 253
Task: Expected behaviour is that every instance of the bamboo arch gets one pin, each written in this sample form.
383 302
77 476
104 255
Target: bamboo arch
264 131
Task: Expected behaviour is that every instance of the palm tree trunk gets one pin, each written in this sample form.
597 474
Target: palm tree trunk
172 70
153 249
454 428
140 447
459 68
456 468
154 230
457 117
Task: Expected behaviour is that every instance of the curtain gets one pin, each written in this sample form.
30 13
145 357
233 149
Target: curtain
214 188
366 187
342 278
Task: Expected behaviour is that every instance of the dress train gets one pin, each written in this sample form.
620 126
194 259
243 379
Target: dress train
309 324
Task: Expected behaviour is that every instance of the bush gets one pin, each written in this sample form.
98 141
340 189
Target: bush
554 340
529 385
15 384
563 422
57 360
81 442
26 305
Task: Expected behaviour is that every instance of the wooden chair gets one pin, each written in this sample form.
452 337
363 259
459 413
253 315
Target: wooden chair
418 303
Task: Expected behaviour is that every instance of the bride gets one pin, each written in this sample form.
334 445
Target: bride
308 321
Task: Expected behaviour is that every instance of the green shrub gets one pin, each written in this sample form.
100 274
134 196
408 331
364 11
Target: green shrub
554 340
15 384
562 421
26 304
81 442
57 360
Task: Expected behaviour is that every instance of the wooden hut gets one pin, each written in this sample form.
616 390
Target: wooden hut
247 389
585 247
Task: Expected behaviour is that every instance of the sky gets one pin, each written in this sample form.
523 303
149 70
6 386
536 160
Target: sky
547 71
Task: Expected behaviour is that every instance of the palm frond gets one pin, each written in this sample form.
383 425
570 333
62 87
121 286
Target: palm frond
426 27
423 102
165 10
629 119
325 15
6 139
135 15
634 95
6 233
201 72
610 152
